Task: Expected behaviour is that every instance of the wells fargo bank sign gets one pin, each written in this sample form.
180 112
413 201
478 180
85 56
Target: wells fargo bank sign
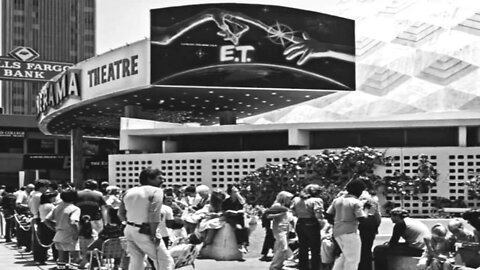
21 65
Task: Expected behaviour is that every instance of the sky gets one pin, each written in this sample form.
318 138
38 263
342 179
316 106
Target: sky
126 21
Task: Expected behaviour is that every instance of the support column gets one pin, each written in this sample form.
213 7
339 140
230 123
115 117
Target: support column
169 146
227 118
132 111
462 136
76 157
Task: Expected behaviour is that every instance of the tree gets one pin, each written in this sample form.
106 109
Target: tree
330 169
404 185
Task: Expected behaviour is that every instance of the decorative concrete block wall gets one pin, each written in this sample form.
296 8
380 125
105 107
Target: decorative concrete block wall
217 169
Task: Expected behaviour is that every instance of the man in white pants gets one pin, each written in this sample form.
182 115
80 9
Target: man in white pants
346 212
141 209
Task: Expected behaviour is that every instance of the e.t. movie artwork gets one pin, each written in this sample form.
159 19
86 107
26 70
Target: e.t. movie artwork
251 46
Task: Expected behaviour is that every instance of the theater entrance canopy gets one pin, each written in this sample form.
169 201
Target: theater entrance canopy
202 60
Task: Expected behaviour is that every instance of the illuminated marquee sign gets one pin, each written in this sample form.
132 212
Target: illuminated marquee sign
247 45
21 65
54 93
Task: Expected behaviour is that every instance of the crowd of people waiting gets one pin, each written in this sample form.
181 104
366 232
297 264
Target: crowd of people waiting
298 227
341 236
69 221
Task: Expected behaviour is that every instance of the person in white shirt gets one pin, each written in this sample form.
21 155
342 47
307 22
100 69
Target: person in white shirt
39 252
166 220
141 210
22 195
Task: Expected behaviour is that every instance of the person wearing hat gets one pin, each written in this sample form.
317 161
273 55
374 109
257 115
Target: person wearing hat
413 231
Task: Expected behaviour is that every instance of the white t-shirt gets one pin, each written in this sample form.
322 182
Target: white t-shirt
22 197
166 214
44 210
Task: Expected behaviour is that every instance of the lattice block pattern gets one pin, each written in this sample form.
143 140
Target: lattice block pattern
211 168
218 169
126 171
461 168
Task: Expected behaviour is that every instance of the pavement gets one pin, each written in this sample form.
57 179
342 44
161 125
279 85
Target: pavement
12 259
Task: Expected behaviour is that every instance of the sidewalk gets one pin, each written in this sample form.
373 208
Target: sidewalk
11 259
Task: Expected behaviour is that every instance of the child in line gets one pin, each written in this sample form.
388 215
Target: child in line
64 219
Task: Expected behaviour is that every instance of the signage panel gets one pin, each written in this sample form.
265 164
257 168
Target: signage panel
21 65
32 162
246 45
11 69
12 133
120 69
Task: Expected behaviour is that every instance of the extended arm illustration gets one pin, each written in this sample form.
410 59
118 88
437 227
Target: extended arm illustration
233 25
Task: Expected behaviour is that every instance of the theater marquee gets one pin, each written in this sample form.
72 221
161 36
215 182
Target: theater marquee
253 46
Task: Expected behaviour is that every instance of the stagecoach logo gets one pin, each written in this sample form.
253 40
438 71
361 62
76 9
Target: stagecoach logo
22 64
24 54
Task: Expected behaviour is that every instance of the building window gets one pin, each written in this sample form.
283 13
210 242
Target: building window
44 146
64 147
90 3
444 136
11 145
409 137
18 18
473 136
18 41
19 4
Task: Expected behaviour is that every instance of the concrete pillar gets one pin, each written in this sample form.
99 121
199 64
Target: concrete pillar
132 111
227 118
76 157
298 137
462 136
169 146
